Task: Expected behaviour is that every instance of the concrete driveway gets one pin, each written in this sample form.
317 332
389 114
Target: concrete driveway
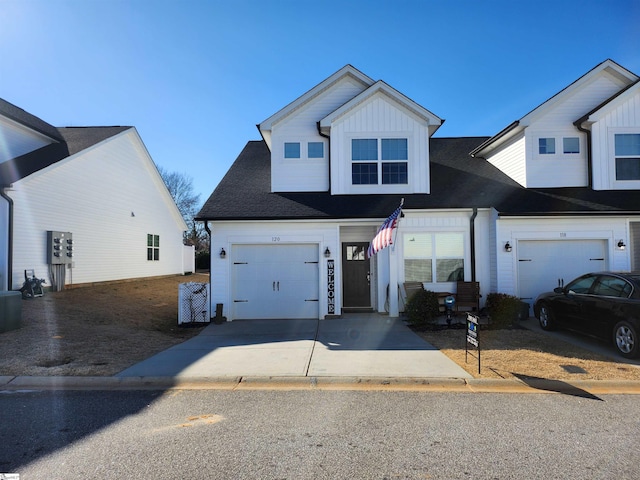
356 345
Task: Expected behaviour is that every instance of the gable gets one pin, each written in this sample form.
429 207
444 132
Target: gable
377 117
73 140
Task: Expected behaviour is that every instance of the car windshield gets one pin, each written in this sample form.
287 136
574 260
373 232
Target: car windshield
581 285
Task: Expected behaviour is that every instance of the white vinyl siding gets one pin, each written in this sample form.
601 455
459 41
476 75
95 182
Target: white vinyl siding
510 158
623 118
18 140
379 117
110 197
301 126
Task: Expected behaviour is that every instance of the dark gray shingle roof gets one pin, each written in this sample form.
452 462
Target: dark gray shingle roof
457 181
72 141
22 117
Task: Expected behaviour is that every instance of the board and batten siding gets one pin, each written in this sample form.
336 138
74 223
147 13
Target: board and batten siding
18 140
513 230
379 117
109 197
624 118
304 174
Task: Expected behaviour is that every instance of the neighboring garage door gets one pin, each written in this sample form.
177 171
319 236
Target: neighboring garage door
541 263
275 281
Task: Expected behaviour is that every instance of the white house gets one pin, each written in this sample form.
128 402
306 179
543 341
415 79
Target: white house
292 219
98 187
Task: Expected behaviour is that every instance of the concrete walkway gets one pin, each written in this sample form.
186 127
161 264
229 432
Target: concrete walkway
356 345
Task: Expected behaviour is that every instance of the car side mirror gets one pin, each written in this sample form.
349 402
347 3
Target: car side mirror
559 290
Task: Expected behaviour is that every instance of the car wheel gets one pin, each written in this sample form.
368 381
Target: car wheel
545 317
625 337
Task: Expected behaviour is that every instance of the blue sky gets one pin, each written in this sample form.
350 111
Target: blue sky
195 77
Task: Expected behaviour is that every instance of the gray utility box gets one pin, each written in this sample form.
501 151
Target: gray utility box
10 310
59 248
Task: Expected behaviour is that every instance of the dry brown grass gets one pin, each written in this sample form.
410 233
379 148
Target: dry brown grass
95 330
103 329
519 352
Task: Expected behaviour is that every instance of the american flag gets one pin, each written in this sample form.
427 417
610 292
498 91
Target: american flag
384 237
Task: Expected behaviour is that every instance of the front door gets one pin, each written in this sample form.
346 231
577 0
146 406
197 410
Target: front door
356 291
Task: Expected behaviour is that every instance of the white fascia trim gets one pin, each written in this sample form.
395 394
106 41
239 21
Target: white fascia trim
430 118
325 84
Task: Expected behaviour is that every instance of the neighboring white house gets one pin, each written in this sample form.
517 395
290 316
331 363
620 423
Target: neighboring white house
292 219
98 184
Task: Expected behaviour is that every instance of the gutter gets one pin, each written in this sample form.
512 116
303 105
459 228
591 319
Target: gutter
9 240
208 230
472 234
328 151
578 125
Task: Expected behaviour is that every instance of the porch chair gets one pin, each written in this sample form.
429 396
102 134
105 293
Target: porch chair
468 296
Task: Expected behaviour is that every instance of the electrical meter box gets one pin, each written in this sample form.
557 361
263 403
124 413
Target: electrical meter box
59 248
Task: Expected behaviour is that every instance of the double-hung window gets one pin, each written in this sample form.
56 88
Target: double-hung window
379 161
433 257
153 247
627 154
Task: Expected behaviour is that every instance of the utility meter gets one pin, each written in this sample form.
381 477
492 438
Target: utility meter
59 248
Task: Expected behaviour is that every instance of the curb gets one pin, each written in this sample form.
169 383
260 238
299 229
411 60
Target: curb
584 388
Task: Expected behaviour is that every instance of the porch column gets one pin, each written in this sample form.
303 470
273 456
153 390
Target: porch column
393 283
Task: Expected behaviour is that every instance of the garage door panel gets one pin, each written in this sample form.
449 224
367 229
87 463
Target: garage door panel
542 263
275 281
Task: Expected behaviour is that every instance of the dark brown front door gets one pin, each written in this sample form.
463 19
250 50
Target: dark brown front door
356 292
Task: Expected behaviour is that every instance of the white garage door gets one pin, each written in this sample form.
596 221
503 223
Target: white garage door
541 263
275 281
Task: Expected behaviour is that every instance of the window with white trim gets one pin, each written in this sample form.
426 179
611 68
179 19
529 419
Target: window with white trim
546 146
627 156
153 247
379 161
571 145
315 150
292 150
433 257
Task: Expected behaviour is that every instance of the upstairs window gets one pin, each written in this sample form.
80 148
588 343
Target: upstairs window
292 150
374 159
153 247
315 150
571 145
627 152
546 146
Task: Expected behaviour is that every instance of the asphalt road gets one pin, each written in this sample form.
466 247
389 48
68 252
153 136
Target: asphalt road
204 434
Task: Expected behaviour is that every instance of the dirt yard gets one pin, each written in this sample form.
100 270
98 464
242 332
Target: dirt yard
96 330
103 329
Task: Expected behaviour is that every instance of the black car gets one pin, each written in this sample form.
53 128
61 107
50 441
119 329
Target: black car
605 305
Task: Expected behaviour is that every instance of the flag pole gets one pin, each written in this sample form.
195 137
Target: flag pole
393 244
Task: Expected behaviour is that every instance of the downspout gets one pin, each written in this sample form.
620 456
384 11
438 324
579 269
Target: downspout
208 230
578 125
9 240
472 234
328 151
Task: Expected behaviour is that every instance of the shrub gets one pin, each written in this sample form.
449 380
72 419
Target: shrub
504 310
423 308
